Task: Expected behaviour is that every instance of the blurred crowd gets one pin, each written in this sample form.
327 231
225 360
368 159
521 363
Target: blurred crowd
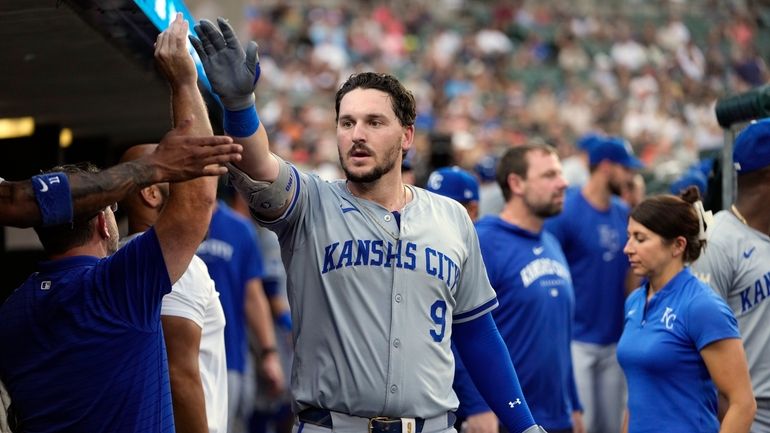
488 76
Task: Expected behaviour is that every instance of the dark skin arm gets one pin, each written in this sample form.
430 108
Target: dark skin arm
183 339
177 158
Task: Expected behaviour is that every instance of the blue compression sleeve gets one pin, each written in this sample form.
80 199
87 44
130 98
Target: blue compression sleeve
270 286
284 320
52 192
241 123
471 402
487 360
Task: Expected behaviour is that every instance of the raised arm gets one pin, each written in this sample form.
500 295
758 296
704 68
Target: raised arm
233 72
183 223
58 198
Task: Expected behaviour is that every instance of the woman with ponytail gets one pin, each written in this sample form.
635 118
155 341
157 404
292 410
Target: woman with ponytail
680 344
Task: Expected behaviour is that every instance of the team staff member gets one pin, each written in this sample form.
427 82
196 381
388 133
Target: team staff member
736 262
56 198
680 342
527 269
371 352
83 344
592 231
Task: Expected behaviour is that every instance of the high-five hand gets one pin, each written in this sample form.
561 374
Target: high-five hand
232 72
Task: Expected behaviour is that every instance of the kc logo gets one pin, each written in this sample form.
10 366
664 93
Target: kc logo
668 318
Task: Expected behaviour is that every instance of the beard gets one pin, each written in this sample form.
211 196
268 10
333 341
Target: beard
548 210
376 172
545 210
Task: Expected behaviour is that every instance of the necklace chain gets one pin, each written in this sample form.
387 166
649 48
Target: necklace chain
373 217
738 215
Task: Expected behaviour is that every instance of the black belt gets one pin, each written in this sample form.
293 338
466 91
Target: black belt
763 403
378 424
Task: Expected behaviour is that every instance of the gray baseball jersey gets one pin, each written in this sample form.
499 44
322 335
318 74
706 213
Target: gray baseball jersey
736 263
373 305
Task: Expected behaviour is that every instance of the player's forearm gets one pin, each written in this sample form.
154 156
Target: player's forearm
184 221
92 192
18 207
187 103
188 400
257 160
89 192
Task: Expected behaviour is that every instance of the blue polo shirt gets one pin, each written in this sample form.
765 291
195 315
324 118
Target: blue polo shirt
233 257
534 289
669 386
82 345
592 241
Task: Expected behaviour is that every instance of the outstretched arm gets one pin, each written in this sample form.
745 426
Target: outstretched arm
233 73
183 222
41 201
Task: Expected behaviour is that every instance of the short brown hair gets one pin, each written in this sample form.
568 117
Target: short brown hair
514 161
401 99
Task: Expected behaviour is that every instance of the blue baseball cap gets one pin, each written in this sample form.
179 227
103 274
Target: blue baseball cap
692 177
751 149
614 149
486 168
587 141
455 183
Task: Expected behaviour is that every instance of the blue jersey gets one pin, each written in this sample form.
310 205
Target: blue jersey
233 258
532 280
593 242
83 348
668 382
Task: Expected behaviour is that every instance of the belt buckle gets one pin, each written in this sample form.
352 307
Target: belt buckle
377 418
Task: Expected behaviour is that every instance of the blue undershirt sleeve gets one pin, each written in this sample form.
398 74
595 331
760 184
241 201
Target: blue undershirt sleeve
487 360
271 286
471 402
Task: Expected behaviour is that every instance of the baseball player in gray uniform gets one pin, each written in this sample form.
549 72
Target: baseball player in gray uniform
381 275
736 261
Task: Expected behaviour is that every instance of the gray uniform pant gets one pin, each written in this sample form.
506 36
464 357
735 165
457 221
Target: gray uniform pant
762 418
601 386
